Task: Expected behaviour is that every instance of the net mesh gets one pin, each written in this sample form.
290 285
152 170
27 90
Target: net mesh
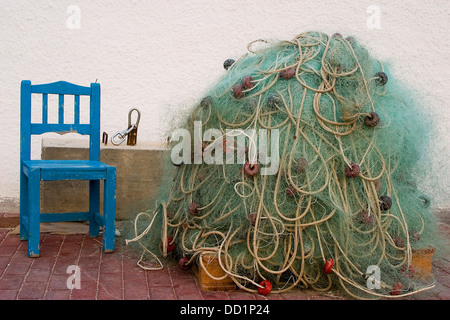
351 144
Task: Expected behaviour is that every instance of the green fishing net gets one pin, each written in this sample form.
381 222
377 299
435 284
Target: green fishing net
307 175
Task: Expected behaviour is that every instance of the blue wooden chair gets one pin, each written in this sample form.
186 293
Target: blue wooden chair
32 172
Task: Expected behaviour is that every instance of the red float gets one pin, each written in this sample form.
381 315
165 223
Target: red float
352 171
183 264
288 73
366 218
238 91
193 208
252 217
396 289
327 268
247 82
266 287
398 241
251 169
170 244
410 272
302 165
291 192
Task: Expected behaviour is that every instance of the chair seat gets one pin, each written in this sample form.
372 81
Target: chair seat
67 169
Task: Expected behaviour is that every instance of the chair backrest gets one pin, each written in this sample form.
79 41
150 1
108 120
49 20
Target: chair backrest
62 89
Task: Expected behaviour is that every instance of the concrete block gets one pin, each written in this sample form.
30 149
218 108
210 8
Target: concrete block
139 175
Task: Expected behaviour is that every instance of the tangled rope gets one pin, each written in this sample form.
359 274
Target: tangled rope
342 194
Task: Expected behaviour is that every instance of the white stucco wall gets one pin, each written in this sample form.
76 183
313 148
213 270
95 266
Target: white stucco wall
161 55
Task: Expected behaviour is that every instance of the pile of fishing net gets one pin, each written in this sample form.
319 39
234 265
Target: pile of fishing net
329 198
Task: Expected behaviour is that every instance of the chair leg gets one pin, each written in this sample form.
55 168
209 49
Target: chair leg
34 211
24 217
94 206
109 210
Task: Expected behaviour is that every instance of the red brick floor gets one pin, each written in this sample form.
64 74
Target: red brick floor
116 276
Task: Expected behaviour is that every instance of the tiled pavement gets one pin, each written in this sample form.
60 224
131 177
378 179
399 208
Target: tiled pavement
116 276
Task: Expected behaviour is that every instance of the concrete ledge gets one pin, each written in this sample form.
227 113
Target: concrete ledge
139 175
9 205
9 220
